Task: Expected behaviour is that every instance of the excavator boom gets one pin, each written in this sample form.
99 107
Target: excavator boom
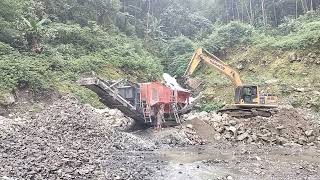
202 55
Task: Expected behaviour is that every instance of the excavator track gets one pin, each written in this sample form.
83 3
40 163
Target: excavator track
248 113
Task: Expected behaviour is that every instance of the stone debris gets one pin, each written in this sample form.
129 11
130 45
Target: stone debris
289 126
229 178
116 119
190 126
69 141
7 99
309 133
178 137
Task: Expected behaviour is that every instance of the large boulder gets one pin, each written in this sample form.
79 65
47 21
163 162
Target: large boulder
293 57
116 119
7 99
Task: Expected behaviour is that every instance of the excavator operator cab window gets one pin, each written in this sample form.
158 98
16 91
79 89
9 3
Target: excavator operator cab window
249 93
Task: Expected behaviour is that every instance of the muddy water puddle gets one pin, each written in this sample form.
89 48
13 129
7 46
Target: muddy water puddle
184 156
190 164
308 155
211 163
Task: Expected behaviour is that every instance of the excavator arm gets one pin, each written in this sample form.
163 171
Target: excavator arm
202 55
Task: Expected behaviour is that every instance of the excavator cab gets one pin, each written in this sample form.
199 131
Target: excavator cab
246 95
250 96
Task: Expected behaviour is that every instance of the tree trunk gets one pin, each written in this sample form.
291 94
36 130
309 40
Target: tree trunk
232 9
263 15
296 9
35 46
302 4
135 15
251 12
242 11
227 10
306 4
238 13
275 13
248 13
147 28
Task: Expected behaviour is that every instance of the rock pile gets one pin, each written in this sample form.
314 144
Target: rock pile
180 137
172 136
289 126
116 119
68 141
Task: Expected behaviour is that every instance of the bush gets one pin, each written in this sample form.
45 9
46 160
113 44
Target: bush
212 106
177 55
294 34
228 36
134 61
298 34
307 36
177 20
20 71
5 49
70 51
91 39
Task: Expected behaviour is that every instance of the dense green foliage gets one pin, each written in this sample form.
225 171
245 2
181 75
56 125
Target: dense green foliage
61 62
47 44
41 50
294 34
177 54
227 36
211 106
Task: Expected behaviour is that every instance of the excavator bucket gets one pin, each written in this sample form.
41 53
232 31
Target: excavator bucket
194 83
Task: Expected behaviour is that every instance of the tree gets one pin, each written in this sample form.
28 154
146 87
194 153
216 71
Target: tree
34 32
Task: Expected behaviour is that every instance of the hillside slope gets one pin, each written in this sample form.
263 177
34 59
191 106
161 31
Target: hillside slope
292 76
284 61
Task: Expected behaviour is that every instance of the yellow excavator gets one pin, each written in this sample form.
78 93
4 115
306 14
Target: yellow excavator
248 101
